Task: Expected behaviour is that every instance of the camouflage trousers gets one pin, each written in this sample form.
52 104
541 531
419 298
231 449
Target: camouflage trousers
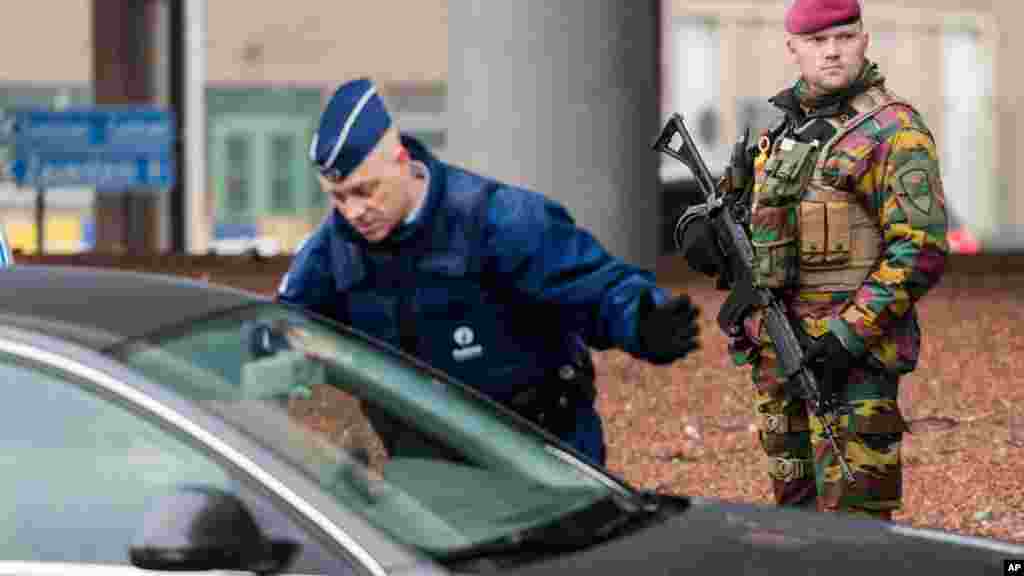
800 461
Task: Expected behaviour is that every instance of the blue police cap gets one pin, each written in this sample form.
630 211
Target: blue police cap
351 125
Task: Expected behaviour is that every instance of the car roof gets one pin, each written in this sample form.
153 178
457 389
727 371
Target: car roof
99 307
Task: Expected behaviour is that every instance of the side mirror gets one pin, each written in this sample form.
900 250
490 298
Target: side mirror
203 528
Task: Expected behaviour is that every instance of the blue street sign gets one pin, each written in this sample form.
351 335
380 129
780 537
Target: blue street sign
109 148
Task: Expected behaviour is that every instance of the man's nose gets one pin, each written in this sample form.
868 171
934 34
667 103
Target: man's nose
832 48
354 208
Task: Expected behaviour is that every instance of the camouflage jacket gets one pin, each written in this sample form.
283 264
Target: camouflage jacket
889 165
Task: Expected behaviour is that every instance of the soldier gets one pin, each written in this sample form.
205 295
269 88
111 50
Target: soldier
848 224
490 282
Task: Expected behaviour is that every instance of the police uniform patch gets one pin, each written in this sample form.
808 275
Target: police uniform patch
463 336
465 348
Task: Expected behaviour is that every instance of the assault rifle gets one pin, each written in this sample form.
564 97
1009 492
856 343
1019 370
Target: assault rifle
727 217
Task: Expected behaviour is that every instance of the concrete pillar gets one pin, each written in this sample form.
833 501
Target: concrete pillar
563 98
196 227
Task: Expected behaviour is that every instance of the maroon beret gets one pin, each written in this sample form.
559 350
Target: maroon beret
809 16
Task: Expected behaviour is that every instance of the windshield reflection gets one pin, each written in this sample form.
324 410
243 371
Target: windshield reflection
424 459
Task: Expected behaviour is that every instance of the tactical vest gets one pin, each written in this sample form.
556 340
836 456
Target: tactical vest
807 230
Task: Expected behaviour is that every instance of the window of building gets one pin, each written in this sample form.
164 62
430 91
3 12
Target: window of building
277 123
317 197
968 131
694 87
237 181
281 163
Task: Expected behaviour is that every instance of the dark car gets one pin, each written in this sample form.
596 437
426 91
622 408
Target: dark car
156 423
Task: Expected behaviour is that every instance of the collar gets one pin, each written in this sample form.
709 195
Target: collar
799 107
421 172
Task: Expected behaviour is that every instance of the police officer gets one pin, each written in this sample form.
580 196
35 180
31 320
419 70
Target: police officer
492 283
848 225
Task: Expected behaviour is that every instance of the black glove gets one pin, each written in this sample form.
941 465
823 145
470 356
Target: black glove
741 301
831 361
700 249
667 332
261 340
699 245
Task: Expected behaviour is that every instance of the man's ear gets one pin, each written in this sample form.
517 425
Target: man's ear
791 51
402 154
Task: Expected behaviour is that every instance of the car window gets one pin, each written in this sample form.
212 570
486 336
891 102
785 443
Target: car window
421 457
80 470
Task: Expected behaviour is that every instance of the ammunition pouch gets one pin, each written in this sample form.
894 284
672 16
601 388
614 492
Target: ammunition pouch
773 236
552 403
825 235
787 172
775 223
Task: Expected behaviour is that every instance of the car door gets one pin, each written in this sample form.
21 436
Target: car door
79 466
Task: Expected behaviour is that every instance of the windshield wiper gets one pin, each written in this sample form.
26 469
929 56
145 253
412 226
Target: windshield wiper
598 522
629 497
522 546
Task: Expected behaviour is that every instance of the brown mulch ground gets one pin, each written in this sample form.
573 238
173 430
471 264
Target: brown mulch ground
686 428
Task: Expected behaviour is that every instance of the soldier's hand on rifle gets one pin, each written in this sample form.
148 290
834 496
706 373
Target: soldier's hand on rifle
667 332
700 248
829 357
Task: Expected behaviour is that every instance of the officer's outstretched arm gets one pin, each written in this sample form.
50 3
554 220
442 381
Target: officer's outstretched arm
535 247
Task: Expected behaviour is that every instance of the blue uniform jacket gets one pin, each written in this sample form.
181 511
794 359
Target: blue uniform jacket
494 284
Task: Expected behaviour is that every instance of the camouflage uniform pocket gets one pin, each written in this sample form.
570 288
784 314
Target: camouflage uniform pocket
876 416
773 236
872 436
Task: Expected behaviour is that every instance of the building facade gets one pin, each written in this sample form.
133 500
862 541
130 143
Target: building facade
271 65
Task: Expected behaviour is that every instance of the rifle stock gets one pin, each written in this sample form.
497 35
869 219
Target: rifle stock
740 256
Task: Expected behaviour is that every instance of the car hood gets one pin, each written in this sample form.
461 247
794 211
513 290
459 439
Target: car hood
714 537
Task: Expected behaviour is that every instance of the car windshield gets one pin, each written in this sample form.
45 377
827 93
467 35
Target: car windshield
419 456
